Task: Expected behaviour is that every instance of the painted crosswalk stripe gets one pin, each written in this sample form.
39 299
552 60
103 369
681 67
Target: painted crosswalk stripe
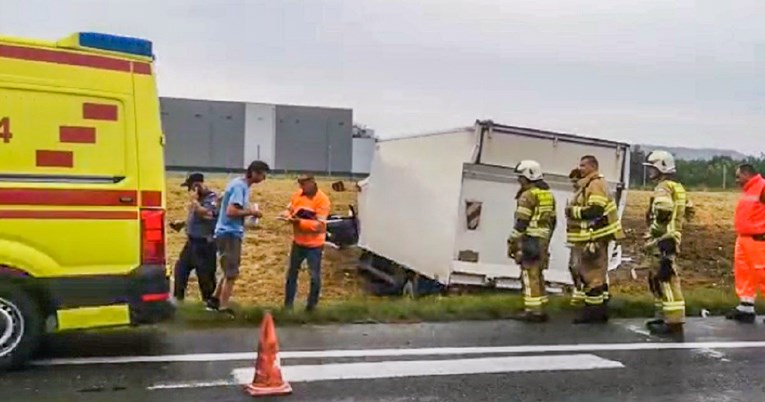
417 368
443 351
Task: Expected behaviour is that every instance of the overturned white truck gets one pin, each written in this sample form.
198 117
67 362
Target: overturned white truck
436 209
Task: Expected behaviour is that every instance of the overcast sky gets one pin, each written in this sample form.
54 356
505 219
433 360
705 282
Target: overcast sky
670 72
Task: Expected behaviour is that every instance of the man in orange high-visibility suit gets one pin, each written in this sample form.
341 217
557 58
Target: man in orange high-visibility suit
749 264
307 211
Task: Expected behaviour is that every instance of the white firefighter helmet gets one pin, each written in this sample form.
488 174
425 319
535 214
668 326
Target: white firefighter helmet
529 169
663 161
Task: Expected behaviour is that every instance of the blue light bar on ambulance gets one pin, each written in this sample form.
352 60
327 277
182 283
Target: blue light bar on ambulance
114 43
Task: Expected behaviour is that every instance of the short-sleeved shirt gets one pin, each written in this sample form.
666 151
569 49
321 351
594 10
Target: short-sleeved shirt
198 227
237 192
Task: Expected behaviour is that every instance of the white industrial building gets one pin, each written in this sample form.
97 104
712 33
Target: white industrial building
226 136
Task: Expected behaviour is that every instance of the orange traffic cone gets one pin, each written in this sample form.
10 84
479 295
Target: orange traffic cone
268 379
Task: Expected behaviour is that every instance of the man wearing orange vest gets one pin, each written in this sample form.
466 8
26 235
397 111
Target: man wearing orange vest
749 264
307 211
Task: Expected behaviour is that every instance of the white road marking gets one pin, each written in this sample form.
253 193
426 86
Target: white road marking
638 330
360 353
714 354
419 368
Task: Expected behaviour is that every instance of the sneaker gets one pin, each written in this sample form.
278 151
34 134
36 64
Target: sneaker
740 316
212 305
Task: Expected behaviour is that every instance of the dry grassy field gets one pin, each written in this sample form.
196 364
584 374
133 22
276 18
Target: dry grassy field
706 252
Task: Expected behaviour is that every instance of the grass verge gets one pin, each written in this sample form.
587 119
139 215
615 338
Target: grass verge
443 308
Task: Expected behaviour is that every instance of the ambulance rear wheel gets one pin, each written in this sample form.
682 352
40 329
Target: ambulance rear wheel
21 327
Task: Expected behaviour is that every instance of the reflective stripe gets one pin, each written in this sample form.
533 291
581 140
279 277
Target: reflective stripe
515 234
538 232
584 233
668 292
597 200
673 306
594 300
526 285
523 211
541 215
532 301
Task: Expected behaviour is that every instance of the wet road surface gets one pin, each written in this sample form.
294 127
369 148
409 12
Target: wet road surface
468 361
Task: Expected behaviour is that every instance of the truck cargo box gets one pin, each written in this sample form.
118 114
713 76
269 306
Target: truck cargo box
441 205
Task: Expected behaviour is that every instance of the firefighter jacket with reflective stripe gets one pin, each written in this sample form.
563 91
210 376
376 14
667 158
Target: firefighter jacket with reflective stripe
534 214
667 211
750 211
311 228
592 191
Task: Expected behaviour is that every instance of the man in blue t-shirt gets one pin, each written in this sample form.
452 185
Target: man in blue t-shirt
229 231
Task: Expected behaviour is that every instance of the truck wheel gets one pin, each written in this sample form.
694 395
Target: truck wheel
20 327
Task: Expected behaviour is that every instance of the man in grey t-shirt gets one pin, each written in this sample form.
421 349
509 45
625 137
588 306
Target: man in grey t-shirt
199 252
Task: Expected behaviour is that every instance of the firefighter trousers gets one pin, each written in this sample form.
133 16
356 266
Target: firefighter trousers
577 293
664 282
749 270
532 276
592 267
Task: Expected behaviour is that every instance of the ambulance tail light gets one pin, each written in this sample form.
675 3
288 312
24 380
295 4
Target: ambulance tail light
152 237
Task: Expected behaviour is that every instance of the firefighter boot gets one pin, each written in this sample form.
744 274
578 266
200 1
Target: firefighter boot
662 328
592 314
740 316
531 317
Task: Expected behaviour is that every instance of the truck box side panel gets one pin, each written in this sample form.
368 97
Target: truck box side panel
408 207
506 149
496 188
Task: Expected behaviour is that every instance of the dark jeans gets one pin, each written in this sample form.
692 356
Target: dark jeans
297 256
199 255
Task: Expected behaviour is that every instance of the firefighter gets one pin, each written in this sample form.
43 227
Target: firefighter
529 240
577 294
749 255
592 224
666 216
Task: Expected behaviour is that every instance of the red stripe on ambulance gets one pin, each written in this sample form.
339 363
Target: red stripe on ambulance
99 111
142 68
66 58
151 198
54 159
77 135
68 197
75 215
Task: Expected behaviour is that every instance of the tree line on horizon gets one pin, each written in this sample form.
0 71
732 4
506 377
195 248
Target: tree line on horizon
715 173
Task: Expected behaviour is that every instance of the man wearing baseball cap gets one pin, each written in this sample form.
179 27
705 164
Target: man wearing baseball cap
307 211
199 252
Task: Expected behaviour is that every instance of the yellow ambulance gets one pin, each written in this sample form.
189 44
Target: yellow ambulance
82 206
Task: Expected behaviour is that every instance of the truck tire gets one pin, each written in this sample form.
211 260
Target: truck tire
21 327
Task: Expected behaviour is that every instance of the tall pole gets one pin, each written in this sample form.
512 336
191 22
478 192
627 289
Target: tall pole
725 175
644 175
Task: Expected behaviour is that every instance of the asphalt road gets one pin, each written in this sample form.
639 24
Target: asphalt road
468 361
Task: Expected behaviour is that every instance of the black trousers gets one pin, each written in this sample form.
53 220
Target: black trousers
199 255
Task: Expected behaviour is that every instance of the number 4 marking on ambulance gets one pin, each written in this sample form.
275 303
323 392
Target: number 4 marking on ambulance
5 129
